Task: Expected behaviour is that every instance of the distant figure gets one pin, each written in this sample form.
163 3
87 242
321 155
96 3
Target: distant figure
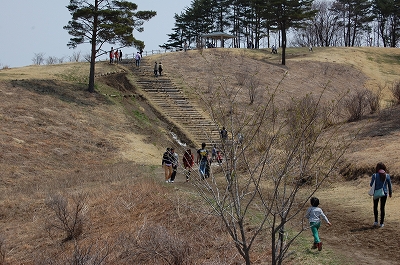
185 46
160 68
202 161
155 69
188 162
274 49
116 56
175 163
167 164
314 213
310 48
219 157
141 52
240 138
137 59
111 55
120 55
213 153
224 134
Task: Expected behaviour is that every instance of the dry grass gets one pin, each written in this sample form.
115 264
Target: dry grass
56 137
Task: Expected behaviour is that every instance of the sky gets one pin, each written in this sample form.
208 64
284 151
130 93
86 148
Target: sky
29 27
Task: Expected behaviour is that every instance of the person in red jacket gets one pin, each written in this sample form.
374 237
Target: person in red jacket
188 162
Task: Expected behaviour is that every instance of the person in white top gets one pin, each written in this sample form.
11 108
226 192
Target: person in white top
314 214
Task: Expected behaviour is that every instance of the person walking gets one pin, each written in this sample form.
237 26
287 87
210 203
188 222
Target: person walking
155 69
381 180
137 59
224 134
202 161
160 68
188 162
116 56
120 55
111 55
213 153
167 160
313 215
175 163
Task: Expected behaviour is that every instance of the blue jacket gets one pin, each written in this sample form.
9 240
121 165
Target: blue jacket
379 183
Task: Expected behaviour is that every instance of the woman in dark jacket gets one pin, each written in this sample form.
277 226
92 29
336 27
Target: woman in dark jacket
381 180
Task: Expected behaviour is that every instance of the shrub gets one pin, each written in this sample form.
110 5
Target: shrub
69 215
356 104
155 243
373 99
396 91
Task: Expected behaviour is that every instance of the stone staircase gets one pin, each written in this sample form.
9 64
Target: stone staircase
172 102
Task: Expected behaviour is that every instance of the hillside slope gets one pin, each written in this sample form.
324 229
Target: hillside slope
58 138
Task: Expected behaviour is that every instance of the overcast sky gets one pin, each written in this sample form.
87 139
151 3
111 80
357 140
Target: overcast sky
36 26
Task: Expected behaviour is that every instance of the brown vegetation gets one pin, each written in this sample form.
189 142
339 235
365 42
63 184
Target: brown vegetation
56 137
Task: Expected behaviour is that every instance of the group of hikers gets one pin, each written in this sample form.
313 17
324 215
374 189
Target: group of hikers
115 56
170 162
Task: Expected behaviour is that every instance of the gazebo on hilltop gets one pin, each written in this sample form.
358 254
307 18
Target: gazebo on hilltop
215 36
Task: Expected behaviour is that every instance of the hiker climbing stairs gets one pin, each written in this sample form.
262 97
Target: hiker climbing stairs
173 103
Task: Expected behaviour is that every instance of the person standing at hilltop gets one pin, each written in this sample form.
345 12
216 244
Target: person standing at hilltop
120 55
111 55
116 56
381 180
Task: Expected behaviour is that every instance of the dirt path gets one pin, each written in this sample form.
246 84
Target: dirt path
349 209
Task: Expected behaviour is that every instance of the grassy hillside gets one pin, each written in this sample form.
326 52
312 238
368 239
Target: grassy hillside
58 139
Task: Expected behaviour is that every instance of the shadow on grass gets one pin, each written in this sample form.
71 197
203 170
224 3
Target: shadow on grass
364 228
67 92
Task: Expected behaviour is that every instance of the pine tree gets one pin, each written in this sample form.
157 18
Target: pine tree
104 21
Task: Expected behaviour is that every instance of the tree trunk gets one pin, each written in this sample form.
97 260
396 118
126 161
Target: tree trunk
93 51
283 29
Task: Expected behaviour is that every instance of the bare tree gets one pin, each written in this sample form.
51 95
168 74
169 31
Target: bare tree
284 156
75 57
51 60
69 215
38 58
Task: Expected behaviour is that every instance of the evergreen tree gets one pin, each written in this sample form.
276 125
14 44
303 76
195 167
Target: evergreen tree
289 14
356 16
104 21
387 13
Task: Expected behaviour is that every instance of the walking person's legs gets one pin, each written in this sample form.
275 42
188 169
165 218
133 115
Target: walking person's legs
383 203
168 172
314 229
376 201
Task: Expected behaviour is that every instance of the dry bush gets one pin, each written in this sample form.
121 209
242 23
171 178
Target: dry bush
69 215
90 254
154 244
356 104
373 99
396 91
